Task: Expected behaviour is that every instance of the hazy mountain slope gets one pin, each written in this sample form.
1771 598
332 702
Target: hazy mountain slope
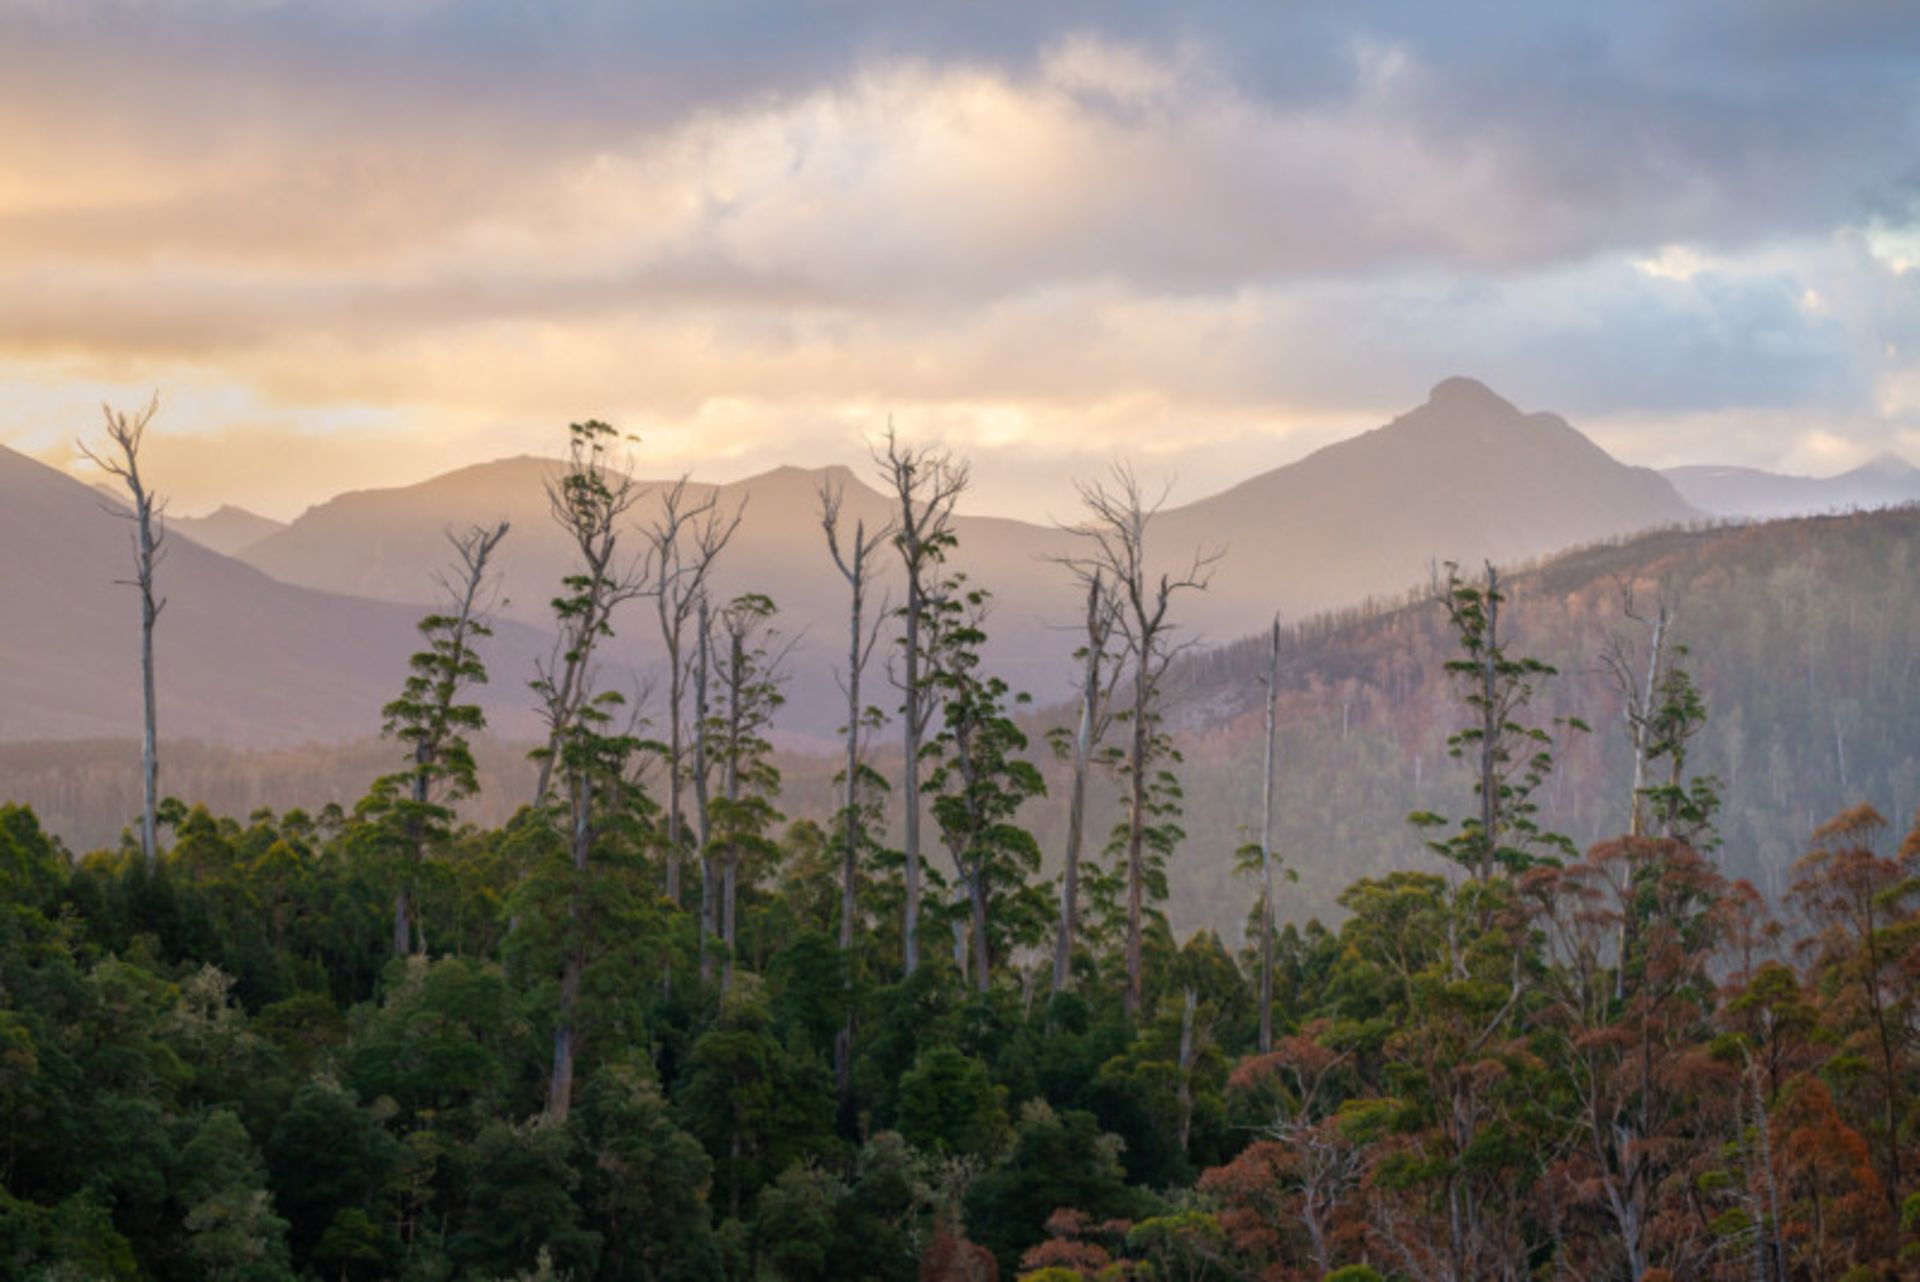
1466 475
243 658
1744 491
1802 638
227 529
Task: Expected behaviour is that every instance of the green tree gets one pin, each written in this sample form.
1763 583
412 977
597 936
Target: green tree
644 1181
949 1105
980 782
233 1233
413 807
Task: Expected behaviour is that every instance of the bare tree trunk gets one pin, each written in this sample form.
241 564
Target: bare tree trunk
149 728
126 433
854 564
926 485
914 721
1091 699
686 541
1117 519
702 667
1137 834
730 861
1490 732
1266 849
565 1028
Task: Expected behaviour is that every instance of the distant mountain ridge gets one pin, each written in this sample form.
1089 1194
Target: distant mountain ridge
1885 480
227 529
243 658
1466 475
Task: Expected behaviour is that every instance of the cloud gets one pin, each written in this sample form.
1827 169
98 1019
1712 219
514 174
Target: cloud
755 229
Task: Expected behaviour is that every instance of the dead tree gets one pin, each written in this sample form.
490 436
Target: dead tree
854 560
1097 681
1637 678
1115 528
685 539
925 484
147 515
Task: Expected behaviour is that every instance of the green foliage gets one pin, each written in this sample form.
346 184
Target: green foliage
948 1105
1512 758
979 783
1058 1159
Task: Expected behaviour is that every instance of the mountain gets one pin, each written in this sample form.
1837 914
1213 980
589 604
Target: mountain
1464 476
1883 481
1800 635
242 658
227 529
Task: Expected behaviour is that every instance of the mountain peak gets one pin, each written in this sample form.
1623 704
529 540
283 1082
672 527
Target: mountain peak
1886 463
1468 394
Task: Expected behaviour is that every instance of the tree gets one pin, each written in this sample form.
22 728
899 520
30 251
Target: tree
1094 695
854 560
686 538
646 1180
126 433
330 1161
1511 759
1629 1048
1117 519
979 782
1057 1159
925 483
234 1236
744 814
431 718
1864 912
755 1106
588 501
1271 700
521 1202
948 1105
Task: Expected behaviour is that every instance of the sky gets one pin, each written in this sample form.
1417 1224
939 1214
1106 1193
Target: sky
362 242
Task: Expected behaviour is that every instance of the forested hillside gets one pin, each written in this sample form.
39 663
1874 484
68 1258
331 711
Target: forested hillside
1802 638
657 1022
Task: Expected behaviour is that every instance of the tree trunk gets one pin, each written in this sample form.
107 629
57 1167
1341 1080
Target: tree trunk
1489 732
675 751
1137 835
704 830
850 810
565 1034
730 862
150 735
1266 851
910 792
560 1085
982 959
1069 922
